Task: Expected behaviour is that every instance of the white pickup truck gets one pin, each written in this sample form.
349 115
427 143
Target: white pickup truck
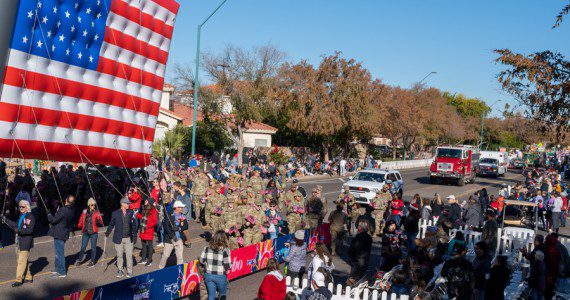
364 184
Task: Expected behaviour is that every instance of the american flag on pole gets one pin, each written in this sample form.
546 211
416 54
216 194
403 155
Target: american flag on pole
84 80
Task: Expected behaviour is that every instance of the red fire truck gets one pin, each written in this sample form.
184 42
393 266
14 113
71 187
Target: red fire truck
455 163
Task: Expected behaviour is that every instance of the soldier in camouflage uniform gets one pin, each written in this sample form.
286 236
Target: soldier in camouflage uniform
216 203
253 197
295 210
232 221
256 182
289 196
379 203
346 199
198 191
324 200
314 216
243 182
252 218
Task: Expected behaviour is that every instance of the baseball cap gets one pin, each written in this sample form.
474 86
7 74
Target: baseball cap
319 279
451 197
178 203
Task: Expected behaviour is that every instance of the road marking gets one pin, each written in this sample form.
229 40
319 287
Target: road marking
342 180
71 267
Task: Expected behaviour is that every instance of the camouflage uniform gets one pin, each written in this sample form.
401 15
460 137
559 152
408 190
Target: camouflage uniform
252 234
256 183
231 220
380 202
216 201
288 197
314 211
295 219
338 220
199 187
243 183
347 201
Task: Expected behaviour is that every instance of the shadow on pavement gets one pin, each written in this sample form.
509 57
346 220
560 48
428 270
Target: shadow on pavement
45 291
38 265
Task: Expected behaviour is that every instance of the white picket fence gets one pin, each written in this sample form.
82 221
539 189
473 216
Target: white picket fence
509 241
406 164
344 293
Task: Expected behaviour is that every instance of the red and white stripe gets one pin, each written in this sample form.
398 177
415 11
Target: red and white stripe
59 108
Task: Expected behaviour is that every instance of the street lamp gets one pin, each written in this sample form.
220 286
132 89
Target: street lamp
196 80
420 82
428 75
483 124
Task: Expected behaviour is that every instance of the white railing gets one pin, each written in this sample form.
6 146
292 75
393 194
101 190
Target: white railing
406 164
344 293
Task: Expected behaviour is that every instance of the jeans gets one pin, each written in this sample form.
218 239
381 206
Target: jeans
147 250
84 240
126 247
160 233
59 251
563 218
536 295
216 282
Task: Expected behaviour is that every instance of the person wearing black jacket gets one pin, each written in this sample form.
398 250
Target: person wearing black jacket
359 251
454 211
123 222
174 224
61 225
24 230
489 235
481 270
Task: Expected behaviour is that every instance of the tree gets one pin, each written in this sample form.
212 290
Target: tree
541 82
246 77
175 141
467 107
331 103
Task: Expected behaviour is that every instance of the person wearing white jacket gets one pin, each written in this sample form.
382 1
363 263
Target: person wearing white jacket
321 259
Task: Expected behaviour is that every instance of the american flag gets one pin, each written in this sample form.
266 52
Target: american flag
84 80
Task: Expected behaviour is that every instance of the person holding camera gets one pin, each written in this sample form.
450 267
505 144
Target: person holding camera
123 222
174 225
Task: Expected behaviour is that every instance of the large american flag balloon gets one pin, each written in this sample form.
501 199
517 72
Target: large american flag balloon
84 80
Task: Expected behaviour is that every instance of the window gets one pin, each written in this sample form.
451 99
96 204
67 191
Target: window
391 177
447 152
261 143
365 176
398 176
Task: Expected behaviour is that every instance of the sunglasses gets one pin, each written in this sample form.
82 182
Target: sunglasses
91 204
22 207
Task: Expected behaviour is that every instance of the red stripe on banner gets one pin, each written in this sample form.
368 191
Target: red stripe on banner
55 118
134 14
50 84
171 5
124 71
69 153
123 40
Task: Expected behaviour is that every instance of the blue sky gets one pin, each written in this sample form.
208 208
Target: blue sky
398 41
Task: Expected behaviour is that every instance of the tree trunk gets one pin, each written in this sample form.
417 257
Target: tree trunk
327 148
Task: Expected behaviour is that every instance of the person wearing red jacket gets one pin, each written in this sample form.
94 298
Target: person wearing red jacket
273 286
89 223
135 198
396 207
148 221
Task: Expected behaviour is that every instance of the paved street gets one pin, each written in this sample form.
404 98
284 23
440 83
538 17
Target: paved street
246 288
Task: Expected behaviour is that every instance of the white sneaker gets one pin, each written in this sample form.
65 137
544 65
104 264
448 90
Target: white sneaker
160 245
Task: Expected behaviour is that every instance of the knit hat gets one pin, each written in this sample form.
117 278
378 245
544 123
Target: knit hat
300 235
414 206
125 200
